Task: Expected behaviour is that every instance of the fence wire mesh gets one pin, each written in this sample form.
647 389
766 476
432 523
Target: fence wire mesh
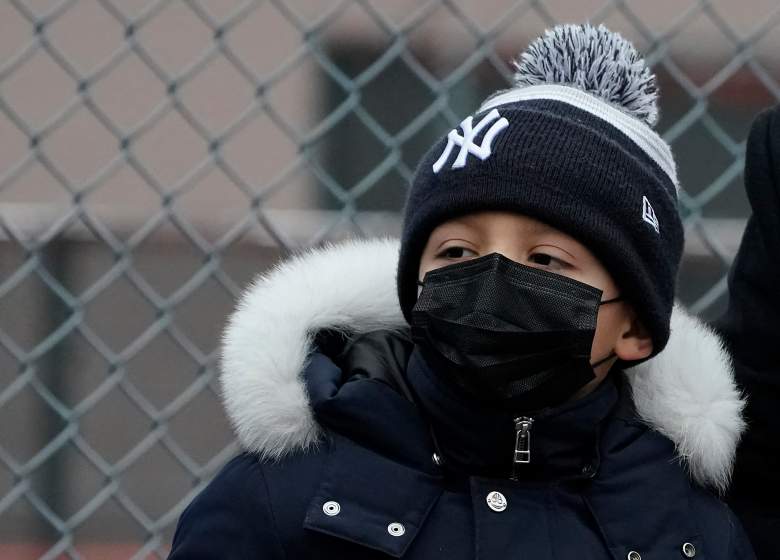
157 154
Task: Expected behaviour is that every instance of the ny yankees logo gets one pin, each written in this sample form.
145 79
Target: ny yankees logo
466 142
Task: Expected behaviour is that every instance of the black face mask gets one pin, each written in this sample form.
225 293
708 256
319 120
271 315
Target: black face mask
508 333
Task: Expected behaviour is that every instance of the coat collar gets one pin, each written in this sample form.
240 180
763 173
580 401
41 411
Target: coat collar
687 392
477 439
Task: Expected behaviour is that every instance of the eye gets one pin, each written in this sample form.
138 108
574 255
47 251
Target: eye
456 252
547 260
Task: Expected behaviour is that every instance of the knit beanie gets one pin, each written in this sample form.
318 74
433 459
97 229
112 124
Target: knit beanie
571 144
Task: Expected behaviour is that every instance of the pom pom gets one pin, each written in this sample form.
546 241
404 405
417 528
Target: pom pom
593 59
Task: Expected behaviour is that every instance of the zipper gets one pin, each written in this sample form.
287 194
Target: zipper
522 443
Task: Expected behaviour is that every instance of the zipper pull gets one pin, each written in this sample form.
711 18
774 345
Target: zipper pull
522 443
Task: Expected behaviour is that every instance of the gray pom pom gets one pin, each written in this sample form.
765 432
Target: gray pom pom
595 60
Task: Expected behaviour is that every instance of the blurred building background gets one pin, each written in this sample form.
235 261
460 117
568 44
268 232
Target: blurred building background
155 155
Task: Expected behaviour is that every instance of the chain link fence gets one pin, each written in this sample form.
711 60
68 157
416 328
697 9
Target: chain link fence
158 154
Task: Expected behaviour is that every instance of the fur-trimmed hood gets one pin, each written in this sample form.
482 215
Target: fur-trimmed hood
687 392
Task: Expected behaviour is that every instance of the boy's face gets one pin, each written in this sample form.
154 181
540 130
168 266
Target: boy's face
531 242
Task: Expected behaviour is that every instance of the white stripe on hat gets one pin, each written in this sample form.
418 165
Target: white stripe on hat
641 134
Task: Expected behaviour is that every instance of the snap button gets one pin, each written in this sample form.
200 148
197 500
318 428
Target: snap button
331 508
634 555
496 501
437 459
396 529
588 470
688 550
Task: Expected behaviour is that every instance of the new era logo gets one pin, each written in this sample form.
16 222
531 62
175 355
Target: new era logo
648 215
466 141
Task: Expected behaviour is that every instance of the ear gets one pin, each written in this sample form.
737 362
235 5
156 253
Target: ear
635 341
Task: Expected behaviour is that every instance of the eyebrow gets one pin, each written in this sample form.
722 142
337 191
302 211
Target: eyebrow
457 225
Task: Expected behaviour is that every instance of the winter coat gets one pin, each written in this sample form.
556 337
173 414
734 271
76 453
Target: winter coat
751 328
356 449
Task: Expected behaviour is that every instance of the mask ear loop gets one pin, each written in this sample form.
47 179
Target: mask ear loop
602 360
611 352
420 285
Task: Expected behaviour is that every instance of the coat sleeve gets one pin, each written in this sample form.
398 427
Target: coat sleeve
751 329
230 519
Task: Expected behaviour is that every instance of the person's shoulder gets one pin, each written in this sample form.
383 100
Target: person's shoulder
250 469
242 470
245 506
646 460
226 518
719 524
243 483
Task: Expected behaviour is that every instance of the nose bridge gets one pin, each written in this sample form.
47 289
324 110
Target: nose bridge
509 236
514 249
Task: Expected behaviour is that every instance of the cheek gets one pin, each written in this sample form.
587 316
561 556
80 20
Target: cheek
606 334
426 264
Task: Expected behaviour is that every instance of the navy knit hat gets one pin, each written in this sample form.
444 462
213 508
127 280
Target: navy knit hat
571 144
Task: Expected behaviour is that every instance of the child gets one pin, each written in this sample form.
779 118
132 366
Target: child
540 247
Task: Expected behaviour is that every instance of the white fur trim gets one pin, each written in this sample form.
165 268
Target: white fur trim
687 392
268 338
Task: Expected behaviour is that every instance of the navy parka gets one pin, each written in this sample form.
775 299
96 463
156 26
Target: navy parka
604 484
